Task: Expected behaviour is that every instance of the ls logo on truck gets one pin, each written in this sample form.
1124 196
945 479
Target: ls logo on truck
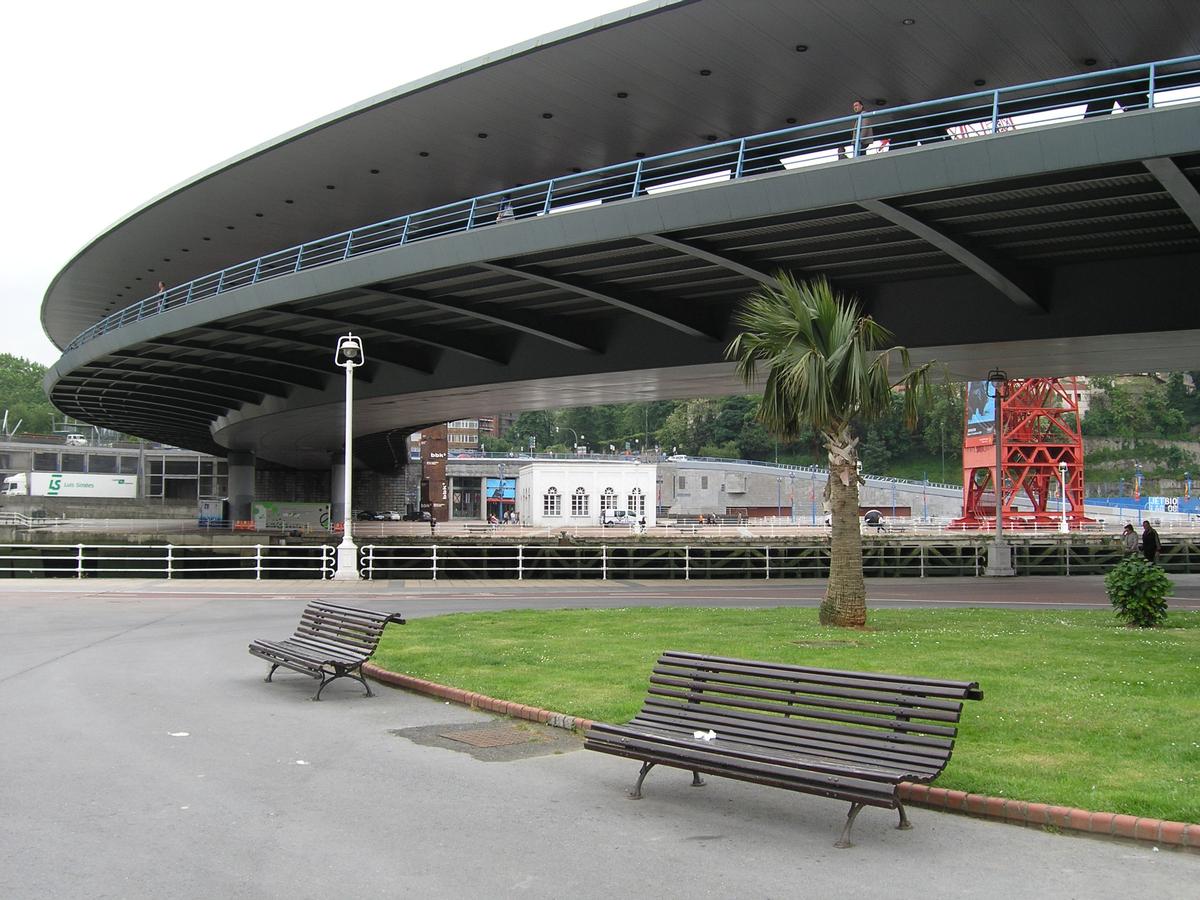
55 485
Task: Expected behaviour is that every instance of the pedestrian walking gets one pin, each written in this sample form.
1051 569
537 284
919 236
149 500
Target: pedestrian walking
1129 539
1150 541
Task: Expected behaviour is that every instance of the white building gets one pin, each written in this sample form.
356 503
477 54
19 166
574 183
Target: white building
578 492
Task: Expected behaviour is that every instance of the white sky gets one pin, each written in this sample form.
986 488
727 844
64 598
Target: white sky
108 104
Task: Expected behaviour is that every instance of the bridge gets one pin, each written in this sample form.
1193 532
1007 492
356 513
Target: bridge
1050 228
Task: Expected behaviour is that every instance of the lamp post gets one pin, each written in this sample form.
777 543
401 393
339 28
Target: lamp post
1000 554
349 355
1062 500
574 436
778 497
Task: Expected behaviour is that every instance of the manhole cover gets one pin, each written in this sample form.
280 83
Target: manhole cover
488 737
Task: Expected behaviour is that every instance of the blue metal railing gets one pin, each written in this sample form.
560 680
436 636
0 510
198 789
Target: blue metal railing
967 115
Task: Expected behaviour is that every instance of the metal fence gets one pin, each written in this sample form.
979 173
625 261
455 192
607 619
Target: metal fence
166 561
961 117
530 562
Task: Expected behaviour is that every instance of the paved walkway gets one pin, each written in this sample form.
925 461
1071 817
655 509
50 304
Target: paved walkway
145 757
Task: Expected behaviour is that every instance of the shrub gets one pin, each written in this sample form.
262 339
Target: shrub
1138 590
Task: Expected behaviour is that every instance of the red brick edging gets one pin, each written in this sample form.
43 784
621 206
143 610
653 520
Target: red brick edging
1018 812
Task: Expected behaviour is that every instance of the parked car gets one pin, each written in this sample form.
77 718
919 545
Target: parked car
378 515
616 517
677 457
76 440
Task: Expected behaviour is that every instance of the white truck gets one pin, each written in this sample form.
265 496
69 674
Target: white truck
69 484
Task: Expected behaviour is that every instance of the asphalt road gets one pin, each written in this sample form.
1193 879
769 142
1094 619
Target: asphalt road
144 756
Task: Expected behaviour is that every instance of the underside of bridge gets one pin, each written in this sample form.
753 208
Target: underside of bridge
1067 250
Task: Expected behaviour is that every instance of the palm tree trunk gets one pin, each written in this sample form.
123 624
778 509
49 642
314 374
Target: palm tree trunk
845 602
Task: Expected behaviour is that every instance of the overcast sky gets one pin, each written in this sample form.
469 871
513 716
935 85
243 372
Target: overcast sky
109 104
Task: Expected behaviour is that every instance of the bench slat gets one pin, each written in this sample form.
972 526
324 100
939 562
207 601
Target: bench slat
782 688
801 740
869 680
730 700
747 767
791 703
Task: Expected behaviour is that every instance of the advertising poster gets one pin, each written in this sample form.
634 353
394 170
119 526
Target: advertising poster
506 491
980 412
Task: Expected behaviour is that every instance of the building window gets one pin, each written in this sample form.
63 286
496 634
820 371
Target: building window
466 498
608 500
637 502
129 465
579 502
74 462
551 503
704 482
680 483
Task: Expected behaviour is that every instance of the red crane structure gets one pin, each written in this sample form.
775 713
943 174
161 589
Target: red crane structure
1039 432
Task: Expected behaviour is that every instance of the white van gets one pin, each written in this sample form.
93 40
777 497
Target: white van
616 517
76 440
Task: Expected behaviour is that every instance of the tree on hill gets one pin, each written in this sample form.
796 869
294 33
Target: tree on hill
23 397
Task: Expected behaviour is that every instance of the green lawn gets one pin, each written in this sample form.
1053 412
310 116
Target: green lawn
1078 710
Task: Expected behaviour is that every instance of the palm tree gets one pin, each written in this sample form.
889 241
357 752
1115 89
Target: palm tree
825 369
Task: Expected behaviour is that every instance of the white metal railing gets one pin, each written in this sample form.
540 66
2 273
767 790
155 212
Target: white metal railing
167 560
687 562
914 557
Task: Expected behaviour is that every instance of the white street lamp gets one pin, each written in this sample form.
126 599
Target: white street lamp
1062 474
349 355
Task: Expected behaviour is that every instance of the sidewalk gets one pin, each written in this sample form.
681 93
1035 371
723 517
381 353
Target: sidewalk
147 758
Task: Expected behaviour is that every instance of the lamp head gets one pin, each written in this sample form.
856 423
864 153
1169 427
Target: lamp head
349 353
997 382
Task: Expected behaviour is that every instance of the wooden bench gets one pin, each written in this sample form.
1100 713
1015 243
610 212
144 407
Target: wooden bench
331 642
846 735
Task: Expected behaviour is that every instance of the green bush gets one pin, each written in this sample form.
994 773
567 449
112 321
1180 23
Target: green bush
1138 590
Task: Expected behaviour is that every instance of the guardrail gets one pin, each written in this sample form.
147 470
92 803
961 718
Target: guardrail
20 520
963 116
166 561
915 558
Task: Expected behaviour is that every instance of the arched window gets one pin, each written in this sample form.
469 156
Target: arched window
637 502
551 502
579 502
608 500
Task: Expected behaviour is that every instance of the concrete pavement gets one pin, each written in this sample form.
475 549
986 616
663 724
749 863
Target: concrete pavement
145 757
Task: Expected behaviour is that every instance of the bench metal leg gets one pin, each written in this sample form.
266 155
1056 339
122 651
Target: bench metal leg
697 781
272 672
904 825
359 678
844 841
636 793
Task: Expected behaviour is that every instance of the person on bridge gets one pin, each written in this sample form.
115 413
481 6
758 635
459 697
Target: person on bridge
1129 539
1150 541
865 134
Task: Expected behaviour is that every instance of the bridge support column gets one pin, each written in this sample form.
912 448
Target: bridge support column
337 492
241 485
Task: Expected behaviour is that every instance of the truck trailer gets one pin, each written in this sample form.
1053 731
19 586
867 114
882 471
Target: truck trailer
69 484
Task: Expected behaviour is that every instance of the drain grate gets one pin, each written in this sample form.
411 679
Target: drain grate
488 737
